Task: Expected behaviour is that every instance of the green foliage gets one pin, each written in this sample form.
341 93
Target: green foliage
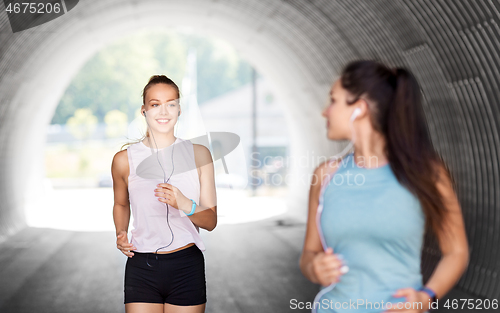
113 79
82 124
116 124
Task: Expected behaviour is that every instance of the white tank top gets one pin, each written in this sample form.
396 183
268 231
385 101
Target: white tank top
150 229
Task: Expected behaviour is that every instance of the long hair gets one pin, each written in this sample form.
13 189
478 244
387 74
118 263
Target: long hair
397 113
153 80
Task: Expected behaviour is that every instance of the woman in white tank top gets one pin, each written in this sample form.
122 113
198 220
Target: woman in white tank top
168 185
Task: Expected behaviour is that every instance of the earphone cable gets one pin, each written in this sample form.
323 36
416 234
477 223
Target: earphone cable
318 217
165 181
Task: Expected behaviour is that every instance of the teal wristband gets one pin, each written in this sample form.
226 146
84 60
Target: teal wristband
193 208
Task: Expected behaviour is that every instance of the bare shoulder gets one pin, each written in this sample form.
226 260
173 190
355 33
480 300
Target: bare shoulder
202 155
120 164
323 169
121 158
200 148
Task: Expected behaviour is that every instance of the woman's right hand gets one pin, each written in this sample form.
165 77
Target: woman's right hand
123 245
328 267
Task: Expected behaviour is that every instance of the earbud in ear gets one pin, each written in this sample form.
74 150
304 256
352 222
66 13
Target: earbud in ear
144 113
178 114
355 114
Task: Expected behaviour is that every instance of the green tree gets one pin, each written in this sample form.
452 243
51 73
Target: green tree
113 79
116 123
82 124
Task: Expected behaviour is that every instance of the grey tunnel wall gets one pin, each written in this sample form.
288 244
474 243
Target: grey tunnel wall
452 47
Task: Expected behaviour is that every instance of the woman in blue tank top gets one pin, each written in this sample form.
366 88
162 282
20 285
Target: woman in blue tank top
369 210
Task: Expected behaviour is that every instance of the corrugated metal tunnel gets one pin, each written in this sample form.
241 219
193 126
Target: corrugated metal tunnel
452 46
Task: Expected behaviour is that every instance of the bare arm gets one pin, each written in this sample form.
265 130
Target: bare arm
454 246
312 241
121 207
205 215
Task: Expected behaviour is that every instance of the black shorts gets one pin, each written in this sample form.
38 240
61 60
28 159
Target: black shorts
176 278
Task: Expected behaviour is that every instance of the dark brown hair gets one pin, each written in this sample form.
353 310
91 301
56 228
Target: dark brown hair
398 115
153 80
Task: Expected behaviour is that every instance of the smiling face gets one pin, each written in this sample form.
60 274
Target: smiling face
338 113
162 107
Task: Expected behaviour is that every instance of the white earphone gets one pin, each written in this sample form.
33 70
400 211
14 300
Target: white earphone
355 114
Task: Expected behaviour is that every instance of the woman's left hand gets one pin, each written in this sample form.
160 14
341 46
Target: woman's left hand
416 301
171 195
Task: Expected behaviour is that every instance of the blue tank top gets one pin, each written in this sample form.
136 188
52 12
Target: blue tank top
378 226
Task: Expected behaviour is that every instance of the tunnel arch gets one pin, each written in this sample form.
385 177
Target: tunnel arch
301 46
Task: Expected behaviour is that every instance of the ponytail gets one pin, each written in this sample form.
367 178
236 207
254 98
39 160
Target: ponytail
408 141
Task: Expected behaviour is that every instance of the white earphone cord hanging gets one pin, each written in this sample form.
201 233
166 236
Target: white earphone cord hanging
344 269
165 181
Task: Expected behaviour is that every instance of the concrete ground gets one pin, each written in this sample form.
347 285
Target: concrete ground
67 260
250 267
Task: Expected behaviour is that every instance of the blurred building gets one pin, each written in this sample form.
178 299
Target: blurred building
232 112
